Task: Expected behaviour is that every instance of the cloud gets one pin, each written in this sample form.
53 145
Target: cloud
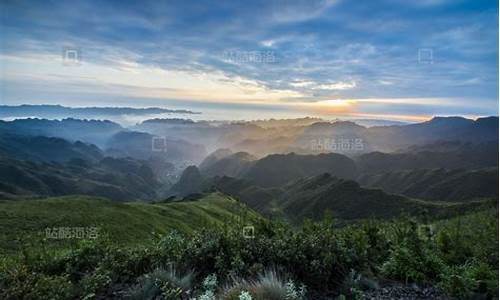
336 86
322 50
299 10
302 83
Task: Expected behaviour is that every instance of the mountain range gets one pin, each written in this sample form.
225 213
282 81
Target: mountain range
58 111
445 162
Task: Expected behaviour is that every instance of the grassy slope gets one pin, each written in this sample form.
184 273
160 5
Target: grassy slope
125 223
346 200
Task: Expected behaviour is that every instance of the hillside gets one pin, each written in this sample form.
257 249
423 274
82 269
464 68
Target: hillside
420 191
214 157
233 165
434 130
394 137
258 198
90 131
118 179
42 148
454 155
143 145
343 199
278 169
190 182
346 200
437 184
124 223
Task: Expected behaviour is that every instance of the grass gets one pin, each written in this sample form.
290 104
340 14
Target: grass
24 221
457 255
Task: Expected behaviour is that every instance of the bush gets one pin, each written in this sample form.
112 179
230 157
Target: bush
459 255
22 284
412 257
268 286
163 284
95 283
469 279
455 281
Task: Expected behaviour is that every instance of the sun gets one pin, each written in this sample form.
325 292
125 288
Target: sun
335 106
337 103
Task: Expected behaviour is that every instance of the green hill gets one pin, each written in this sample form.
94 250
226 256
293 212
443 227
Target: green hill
120 179
279 169
346 200
431 156
437 184
43 148
233 165
124 223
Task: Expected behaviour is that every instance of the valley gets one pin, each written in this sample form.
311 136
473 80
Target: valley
122 206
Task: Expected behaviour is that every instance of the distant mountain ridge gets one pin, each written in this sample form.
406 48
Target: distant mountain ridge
227 164
66 147
142 145
190 182
278 169
437 184
313 197
116 179
91 131
455 155
345 137
391 138
59 111
41 148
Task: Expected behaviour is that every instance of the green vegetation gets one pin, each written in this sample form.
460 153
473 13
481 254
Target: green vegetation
318 259
345 200
119 179
132 223
457 185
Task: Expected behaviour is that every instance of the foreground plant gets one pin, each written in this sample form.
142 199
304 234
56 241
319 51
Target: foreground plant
167 284
329 260
269 285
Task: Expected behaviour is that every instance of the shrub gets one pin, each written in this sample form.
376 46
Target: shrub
163 284
468 279
268 286
209 286
460 254
95 283
411 258
455 281
22 284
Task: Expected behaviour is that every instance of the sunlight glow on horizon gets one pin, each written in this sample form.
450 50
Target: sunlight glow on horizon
129 78
325 58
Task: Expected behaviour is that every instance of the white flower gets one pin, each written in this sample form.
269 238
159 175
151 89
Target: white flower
210 282
208 295
291 293
245 296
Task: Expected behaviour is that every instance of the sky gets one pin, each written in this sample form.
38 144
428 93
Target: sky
385 59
